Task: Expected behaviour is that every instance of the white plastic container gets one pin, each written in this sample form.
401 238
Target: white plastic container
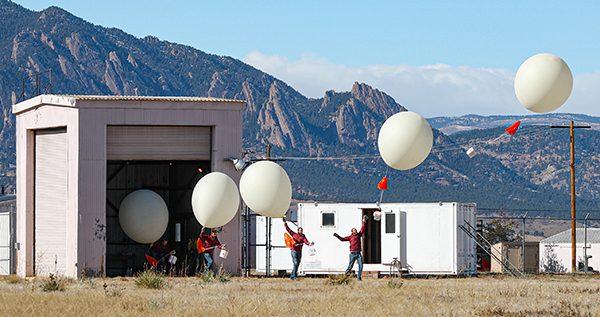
223 254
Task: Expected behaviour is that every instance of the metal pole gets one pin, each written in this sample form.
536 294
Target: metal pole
268 246
573 223
523 241
573 215
585 261
248 265
12 248
268 240
244 242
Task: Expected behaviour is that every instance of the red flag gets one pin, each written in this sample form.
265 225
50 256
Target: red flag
289 241
382 183
200 245
152 260
513 128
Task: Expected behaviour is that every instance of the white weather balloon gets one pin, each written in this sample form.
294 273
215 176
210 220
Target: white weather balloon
215 200
405 140
266 189
144 216
543 83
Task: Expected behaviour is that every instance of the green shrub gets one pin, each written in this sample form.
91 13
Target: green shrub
150 279
395 283
53 283
209 276
343 279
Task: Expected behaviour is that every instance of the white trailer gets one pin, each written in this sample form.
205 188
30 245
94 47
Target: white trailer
280 256
424 237
7 234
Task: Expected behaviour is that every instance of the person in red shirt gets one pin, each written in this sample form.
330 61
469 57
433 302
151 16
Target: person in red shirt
300 239
355 248
159 250
210 243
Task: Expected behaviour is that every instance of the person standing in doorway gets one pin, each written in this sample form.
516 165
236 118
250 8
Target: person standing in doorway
159 251
355 248
210 243
299 239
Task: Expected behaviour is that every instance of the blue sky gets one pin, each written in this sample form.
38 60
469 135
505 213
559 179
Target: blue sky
436 58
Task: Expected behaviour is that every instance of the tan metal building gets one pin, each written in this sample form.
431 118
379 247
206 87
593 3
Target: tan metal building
78 157
513 251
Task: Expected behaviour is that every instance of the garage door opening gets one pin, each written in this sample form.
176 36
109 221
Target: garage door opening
174 181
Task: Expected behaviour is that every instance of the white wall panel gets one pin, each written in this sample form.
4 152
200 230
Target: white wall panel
5 245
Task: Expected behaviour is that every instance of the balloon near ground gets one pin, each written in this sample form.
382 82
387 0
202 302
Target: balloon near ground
543 83
405 140
144 216
215 200
266 189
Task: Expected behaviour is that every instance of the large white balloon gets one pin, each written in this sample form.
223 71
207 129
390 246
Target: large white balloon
543 83
215 200
266 189
405 140
144 216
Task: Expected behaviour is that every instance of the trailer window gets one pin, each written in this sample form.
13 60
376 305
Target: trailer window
390 223
327 219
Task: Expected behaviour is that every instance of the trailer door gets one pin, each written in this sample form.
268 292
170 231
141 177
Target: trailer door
390 235
371 240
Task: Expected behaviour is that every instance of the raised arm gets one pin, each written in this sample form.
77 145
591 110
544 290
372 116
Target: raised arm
288 229
362 229
341 238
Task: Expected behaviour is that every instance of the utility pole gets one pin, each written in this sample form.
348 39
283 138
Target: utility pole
573 227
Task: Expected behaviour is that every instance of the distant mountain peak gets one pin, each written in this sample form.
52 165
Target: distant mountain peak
376 100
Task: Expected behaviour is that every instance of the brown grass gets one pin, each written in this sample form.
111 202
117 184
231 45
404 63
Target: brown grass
483 296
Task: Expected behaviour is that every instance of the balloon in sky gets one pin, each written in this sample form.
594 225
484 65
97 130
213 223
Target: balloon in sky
215 200
266 189
543 83
144 216
405 140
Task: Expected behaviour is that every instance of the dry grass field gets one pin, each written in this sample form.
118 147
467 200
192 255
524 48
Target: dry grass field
479 296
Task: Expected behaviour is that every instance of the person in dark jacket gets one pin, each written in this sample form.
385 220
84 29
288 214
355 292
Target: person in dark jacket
355 248
299 239
159 251
210 243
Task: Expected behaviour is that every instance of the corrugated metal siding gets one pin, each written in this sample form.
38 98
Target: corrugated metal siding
51 201
158 143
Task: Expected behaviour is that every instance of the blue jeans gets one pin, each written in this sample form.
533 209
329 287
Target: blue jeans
296 258
356 256
158 256
208 260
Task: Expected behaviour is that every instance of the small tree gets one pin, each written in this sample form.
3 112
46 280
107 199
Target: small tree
551 262
502 229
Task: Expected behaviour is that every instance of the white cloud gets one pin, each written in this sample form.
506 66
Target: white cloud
431 90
